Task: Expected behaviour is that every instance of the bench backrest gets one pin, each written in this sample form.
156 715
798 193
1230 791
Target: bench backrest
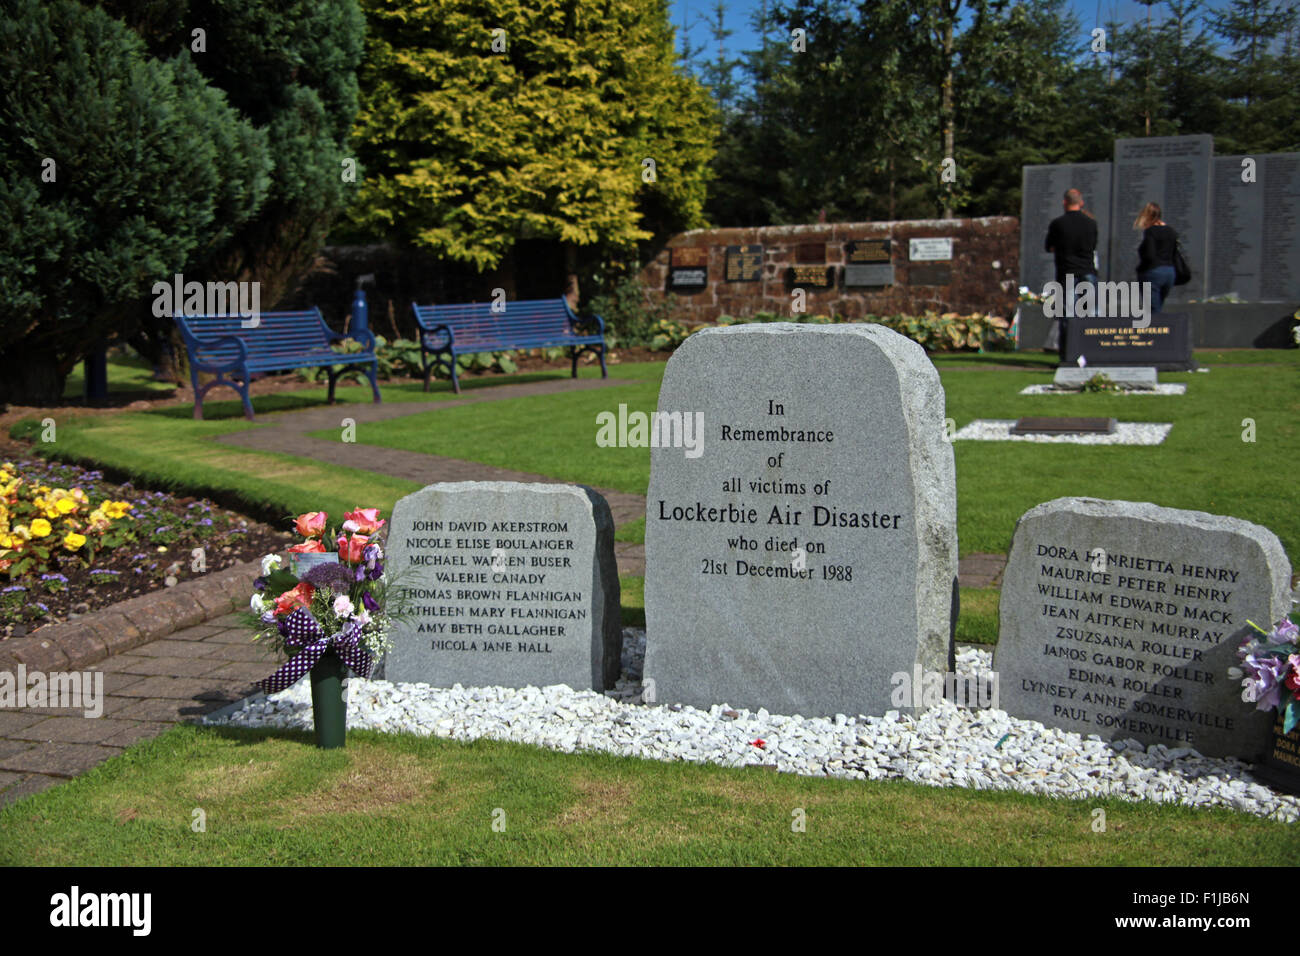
524 319
276 333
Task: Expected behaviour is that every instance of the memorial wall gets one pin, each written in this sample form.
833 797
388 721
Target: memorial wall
1255 227
846 269
1236 216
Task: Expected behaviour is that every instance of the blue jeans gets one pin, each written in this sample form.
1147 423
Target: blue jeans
1162 281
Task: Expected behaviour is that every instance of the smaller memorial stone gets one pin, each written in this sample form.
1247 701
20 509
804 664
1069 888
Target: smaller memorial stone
508 585
1121 619
1044 425
1126 376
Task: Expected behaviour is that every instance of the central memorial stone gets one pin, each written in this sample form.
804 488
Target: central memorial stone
808 555
1140 376
508 584
1122 619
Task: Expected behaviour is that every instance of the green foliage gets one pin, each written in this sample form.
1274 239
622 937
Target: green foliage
222 163
468 149
150 168
401 359
936 332
949 331
668 334
630 313
1101 382
289 68
858 124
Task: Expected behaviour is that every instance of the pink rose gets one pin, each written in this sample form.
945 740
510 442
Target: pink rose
312 524
350 549
363 521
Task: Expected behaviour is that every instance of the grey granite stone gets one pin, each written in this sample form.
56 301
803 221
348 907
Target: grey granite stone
800 571
510 584
1142 376
1137 642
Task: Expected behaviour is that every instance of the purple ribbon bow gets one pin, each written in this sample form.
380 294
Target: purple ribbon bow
302 630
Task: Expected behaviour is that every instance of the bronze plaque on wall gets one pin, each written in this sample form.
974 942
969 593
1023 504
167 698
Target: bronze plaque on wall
690 269
814 277
930 275
744 263
868 250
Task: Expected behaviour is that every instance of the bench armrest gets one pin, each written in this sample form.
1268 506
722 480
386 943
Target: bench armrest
196 345
429 336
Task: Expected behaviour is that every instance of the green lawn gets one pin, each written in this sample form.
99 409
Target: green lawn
1203 465
270 797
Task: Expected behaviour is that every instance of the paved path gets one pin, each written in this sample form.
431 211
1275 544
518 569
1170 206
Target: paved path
146 690
286 432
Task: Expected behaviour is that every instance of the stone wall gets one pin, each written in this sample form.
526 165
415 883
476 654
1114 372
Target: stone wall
984 269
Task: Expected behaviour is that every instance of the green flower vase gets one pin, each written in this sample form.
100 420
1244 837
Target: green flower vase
329 705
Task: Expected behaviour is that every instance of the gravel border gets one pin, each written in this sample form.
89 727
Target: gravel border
947 746
1171 388
1126 433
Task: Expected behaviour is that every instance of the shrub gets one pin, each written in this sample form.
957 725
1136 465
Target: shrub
631 314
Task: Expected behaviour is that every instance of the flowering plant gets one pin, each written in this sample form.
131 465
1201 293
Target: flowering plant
1270 670
344 605
39 522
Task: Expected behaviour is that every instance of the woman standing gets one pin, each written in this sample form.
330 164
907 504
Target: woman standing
1156 254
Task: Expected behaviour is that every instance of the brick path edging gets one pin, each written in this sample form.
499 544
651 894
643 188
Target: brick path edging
73 645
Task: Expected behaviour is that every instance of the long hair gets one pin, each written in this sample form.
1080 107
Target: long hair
1149 216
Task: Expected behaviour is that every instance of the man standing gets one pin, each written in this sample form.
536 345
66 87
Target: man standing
1072 239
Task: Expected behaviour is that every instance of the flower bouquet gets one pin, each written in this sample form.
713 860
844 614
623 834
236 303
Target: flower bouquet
327 615
1270 679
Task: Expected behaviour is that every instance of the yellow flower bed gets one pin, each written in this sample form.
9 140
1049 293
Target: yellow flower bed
38 522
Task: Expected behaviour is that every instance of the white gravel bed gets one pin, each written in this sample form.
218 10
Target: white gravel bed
948 746
1179 388
1126 433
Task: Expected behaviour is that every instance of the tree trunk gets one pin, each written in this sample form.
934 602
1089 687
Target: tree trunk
948 112
571 277
32 377
892 181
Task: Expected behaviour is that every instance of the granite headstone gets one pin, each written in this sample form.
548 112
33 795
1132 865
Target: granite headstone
1141 376
509 584
807 555
1165 344
1121 619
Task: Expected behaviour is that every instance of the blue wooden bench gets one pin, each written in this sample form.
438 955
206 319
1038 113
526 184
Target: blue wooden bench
280 342
449 331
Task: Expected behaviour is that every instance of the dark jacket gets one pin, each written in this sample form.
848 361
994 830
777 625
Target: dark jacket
1072 238
1157 248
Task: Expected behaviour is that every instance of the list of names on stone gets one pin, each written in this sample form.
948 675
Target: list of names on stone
1124 648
